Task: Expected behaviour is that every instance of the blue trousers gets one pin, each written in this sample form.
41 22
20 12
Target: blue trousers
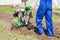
45 9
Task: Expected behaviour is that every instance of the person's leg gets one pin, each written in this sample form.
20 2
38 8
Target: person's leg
39 16
48 16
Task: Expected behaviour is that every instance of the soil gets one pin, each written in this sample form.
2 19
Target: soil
6 19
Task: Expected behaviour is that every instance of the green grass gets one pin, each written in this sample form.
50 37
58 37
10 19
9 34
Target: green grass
10 10
2 27
34 14
15 36
57 9
56 18
6 10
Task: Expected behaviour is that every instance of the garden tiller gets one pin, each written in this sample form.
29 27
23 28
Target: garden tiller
22 16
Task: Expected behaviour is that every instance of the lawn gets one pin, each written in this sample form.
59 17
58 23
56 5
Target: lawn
10 10
19 36
56 18
6 10
57 9
2 27
13 36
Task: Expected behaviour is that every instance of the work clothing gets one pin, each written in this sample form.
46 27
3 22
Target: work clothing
45 9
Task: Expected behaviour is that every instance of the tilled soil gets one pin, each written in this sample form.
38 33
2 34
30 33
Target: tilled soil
6 19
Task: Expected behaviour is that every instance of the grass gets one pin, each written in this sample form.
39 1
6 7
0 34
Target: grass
15 36
57 9
6 10
56 18
34 14
10 10
2 27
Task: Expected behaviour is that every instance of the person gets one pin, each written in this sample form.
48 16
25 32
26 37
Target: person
44 9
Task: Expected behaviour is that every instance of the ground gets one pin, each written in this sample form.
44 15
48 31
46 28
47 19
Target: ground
23 33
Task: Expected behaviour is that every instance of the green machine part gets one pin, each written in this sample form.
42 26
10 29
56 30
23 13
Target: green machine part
17 21
27 7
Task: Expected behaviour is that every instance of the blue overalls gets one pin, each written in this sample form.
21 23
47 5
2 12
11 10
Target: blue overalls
45 9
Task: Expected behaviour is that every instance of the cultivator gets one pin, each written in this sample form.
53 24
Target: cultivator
22 16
